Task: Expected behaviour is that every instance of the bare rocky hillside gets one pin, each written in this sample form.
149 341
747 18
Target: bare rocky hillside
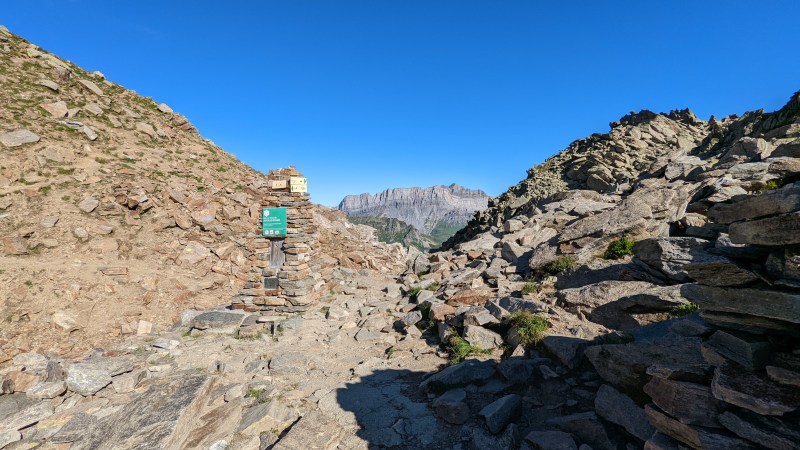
115 214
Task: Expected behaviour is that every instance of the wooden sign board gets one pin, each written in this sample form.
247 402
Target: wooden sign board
278 184
298 184
273 222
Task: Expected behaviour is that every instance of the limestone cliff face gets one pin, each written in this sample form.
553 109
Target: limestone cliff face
422 208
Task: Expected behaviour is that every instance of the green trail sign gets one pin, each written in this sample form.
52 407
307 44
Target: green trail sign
273 222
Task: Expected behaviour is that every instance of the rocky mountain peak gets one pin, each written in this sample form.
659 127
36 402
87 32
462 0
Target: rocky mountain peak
422 208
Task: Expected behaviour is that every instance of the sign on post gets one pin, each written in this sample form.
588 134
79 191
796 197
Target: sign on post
298 184
273 222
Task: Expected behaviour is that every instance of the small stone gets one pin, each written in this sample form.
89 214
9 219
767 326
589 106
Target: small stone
411 319
482 338
86 379
501 412
452 407
127 382
91 87
166 344
89 204
49 84
144 327
551 440
47 390
30 362
164 108
618 408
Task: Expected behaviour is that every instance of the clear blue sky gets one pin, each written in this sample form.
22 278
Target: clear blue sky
366 95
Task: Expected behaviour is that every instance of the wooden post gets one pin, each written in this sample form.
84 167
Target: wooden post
277 257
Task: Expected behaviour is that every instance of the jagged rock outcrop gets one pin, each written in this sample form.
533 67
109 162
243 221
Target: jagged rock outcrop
610 242
436 210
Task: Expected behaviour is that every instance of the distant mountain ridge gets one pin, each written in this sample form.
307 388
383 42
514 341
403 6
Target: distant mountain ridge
433 210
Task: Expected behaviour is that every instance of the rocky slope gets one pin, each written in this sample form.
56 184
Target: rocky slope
615 242
438 211
115 214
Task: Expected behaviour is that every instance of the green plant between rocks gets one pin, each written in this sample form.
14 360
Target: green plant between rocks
530 288
459 349
620 248
561 264
684 309
529 327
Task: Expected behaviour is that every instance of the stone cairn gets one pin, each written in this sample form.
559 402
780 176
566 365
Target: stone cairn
281 277
747 394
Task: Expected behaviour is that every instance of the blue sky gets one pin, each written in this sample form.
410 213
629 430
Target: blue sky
370 94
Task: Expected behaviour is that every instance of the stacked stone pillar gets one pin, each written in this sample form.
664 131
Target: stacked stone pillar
281 278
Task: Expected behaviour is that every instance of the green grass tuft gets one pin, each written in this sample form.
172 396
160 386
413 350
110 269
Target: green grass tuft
685 309
619 248
530 288
530 327
561 264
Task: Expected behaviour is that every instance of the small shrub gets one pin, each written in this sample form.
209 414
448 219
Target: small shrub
772 185
530 288
559 265
253 393
530 327
413 292
619 248
685 309
433 286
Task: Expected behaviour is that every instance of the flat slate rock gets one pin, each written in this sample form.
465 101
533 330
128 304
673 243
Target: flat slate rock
154 419
694 436
217 319
778 305
618 408
754 391
18 137
313 431
770 432
692 403
464 373
501 412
